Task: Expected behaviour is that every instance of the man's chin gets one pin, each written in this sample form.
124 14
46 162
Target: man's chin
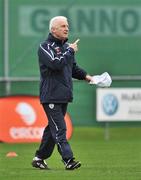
66 36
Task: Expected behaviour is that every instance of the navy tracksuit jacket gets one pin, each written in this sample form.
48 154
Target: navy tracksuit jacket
57 68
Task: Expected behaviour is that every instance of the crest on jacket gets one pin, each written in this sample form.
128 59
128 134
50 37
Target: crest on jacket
58 50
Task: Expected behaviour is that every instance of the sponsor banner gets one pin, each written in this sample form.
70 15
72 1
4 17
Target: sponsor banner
84 20
22 119
119 104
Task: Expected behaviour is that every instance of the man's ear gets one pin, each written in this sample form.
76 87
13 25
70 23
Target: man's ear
53 29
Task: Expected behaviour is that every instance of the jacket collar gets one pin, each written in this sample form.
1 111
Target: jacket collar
51 38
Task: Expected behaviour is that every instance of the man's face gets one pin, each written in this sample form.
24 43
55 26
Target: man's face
60 29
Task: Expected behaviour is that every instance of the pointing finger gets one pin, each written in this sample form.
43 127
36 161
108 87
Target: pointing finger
76 41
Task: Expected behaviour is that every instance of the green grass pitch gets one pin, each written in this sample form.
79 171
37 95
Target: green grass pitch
119 158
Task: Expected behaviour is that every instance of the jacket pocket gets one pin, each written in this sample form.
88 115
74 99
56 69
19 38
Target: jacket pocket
60 91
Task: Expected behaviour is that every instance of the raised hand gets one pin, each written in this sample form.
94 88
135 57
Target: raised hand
74 45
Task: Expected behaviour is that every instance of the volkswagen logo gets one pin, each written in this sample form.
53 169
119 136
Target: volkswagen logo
110 104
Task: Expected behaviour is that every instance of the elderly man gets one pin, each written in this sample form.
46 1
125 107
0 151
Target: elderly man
57 68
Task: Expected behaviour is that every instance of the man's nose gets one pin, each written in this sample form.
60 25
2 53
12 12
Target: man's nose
67 28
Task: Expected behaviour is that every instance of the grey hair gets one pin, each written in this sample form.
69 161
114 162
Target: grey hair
53 20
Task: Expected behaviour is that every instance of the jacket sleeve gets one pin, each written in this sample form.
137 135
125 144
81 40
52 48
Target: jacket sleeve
77 72
51 59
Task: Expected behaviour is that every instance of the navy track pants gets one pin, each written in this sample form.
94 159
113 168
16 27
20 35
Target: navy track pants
55 132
